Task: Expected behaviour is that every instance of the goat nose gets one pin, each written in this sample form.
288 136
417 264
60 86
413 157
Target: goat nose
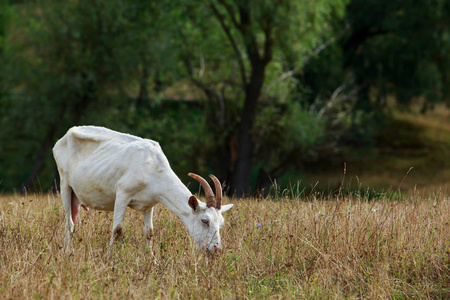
217 249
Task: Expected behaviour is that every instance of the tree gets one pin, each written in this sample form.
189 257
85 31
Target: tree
257 34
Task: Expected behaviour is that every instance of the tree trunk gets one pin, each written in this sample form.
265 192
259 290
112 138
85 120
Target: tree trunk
240 182
263 184
143 96
240 178
40 160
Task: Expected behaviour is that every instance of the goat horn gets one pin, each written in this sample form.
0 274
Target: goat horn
210 199
218 191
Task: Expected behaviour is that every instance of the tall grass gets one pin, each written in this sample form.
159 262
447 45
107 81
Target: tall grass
327 247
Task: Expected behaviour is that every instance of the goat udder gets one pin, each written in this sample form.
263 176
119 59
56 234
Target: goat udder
75 209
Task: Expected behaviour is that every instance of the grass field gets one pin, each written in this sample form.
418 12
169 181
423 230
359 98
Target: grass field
329 247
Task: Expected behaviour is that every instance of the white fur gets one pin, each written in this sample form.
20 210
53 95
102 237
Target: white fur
107 170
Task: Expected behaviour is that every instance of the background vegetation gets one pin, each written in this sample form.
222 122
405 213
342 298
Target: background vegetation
253 91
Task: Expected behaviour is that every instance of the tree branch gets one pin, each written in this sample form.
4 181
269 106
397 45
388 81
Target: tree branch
325 45
227 30
248 36
361 35
231 13
282 77
336 99
268 42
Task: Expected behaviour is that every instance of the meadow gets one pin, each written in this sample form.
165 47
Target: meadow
290 246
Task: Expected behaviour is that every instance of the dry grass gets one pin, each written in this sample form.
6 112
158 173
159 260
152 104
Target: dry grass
284 248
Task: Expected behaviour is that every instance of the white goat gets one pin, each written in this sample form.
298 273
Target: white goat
108 170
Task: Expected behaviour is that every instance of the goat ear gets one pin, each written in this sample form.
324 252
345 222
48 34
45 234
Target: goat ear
193 203
224 208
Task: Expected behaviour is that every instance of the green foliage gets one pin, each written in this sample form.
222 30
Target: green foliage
70 64
317 75
286 136
304 25
383 49
4 8
323 74
399 48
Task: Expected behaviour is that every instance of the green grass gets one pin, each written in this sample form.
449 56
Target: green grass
323 247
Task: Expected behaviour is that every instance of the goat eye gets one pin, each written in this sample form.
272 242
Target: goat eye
206 222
